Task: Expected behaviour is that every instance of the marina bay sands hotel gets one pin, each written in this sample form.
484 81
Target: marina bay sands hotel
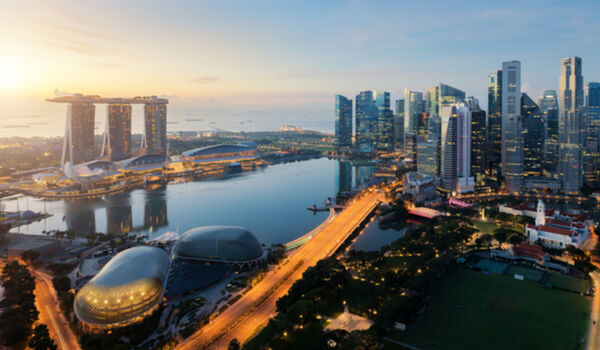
79 131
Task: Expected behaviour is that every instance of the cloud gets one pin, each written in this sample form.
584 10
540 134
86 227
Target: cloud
73 46
102 65
72 30
204 80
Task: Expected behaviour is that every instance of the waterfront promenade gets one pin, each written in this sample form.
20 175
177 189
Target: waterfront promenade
254 309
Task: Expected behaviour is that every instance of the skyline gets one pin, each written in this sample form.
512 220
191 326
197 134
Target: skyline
308 53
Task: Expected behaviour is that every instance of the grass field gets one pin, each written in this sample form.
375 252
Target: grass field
568 283
489 227
473 310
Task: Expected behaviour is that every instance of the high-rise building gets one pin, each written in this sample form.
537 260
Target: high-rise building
413 110
570 120
154 140
455 166
592 147
117 137
399 125
366 123
344 176
78 146
385 122
410 147
343 122
448 95
478 145
533 137
512 136
495 120
548 104
428 157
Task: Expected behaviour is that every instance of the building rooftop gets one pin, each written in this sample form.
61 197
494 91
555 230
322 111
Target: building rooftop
79 98
218 243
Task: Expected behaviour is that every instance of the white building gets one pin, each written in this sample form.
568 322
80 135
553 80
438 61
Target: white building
456 147
559 230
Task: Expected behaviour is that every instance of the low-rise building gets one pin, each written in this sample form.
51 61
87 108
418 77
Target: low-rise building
420 186
559 230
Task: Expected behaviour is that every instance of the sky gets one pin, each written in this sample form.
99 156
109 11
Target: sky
262 64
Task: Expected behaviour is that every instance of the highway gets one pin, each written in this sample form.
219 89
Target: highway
251 312
48 305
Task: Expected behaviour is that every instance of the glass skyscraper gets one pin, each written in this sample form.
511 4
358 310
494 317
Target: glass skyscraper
533 137
428 157
592 148
478 144
570 120
495 120
385 122
343 121
366 122
399 125
413 110
512 135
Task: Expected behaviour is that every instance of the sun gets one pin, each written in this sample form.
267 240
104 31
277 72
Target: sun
9 75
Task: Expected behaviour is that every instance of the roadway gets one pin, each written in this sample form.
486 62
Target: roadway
252 311
51 315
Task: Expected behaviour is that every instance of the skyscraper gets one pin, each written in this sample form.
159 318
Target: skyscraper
592 147
427 157
413 109
385 122
448 95
548 104
478 145
343 122
366 123
455 167
154 140
117 137
410 146
495 120
533 137
570 120
399 125
512 136
78 146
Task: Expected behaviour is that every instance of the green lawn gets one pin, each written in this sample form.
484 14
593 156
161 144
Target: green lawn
473 310
489 227
566 282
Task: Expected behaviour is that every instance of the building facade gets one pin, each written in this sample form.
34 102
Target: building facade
512 135
117 137
343 122
366 123
592 146
533 137
479 149
399 126
154 140
385 122
570 118
78 146
495 120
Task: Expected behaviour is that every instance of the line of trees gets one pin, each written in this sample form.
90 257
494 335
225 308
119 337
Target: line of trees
19 303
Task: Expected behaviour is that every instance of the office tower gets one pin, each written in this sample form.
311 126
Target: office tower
512 138
385 122
478 144
495 120
448 95
117 137
343 122
78 146
533 137
592 147
431 100
472 102
413 110
570 121
154 140
399 125
455 166
427 157
410 147
548 104
434 124
366 123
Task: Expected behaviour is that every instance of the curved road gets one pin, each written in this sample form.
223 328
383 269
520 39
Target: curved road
250 313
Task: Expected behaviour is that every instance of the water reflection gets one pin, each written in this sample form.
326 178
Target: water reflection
80 217
119 213
155 208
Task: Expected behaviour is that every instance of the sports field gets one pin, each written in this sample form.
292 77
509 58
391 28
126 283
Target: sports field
473 310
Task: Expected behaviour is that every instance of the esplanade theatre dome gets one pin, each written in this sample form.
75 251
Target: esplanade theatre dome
130 285
228 244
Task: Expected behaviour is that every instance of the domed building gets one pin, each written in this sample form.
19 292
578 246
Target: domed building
223 244
127 288
206 254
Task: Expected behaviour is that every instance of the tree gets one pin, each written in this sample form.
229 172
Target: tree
516 239
30 256
41 339
234 344
484 240
61 283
